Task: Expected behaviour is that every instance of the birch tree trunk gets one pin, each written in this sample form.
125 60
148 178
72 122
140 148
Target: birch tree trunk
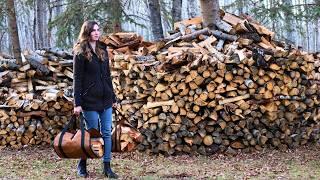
13 30
1 40
176 10
210 12
49 21
307 27
2 32
192 8
155 17
317 25
41 23
318 35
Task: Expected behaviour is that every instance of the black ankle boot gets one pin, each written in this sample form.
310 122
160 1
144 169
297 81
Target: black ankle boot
108 172
82 168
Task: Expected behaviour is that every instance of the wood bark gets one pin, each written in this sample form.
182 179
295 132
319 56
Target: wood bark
49 36
155 18
41 21
176 10
34 27
210 12
192 7
317 24
14 35
1 40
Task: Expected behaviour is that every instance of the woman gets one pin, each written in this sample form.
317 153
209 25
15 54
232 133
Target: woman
93 92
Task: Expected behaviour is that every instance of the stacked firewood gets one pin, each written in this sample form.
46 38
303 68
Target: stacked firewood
197 90
316 74
202 90
35 98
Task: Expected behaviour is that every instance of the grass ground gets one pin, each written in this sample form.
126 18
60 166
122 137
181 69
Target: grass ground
42 163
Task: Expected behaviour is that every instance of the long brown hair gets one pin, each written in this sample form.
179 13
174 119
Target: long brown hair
83 46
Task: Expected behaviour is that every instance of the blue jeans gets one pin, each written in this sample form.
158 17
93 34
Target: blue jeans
104 117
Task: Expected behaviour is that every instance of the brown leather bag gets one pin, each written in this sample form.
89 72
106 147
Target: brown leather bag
121 125
79 143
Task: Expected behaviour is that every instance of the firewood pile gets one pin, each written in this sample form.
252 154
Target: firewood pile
36 100
204 91
34 97
196 91
315 76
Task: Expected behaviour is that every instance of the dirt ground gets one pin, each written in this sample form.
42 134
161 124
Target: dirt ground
42 163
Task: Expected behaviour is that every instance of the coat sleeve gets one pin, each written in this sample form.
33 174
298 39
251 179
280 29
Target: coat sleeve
114 99
78 70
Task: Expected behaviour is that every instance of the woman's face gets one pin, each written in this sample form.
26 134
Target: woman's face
95 34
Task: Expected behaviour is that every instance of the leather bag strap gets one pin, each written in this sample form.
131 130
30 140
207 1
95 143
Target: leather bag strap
83 135
117 141
64 130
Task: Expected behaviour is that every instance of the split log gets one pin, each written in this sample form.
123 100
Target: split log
9 64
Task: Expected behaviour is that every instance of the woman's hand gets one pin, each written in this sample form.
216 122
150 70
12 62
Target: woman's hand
77 110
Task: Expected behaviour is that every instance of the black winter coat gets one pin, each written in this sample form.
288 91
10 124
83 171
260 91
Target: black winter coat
92 84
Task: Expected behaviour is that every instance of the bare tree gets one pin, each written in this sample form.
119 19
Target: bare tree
317 25
192 8
210 12
49 36
42 25
1 39
14 31
34 27
2 31
318 37
307 19
155 17
176 10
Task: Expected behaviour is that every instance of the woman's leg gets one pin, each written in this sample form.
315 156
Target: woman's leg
106 123
91 121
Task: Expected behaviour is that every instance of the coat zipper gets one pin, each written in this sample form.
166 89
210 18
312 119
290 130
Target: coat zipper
87 90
